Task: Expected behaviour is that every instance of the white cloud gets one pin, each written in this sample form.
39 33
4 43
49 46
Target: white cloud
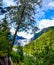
51 4
46 23
8 3
46 5
23 34
12 31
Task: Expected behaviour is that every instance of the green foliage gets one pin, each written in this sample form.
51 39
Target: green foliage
17 56
29 60
4 40
42 49
20 52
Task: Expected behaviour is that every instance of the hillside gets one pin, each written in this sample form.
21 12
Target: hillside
41 51
47 39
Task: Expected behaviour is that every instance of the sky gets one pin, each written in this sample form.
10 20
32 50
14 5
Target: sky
44 16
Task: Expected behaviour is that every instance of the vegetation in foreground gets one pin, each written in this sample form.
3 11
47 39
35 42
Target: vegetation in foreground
38 52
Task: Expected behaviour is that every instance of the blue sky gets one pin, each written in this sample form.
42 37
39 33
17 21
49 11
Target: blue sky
44 15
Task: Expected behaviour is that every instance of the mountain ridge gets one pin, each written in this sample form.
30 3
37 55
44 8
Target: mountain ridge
44 30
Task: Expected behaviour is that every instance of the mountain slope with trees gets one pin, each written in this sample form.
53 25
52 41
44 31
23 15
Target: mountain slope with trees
42 49
38 52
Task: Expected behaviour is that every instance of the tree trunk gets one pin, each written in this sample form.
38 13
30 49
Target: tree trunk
18 25
10 61
6 61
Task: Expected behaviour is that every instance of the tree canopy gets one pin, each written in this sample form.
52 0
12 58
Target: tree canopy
23 16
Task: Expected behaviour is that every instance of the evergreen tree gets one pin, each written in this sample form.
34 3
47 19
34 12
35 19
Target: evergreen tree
23 15
5 42
4 30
